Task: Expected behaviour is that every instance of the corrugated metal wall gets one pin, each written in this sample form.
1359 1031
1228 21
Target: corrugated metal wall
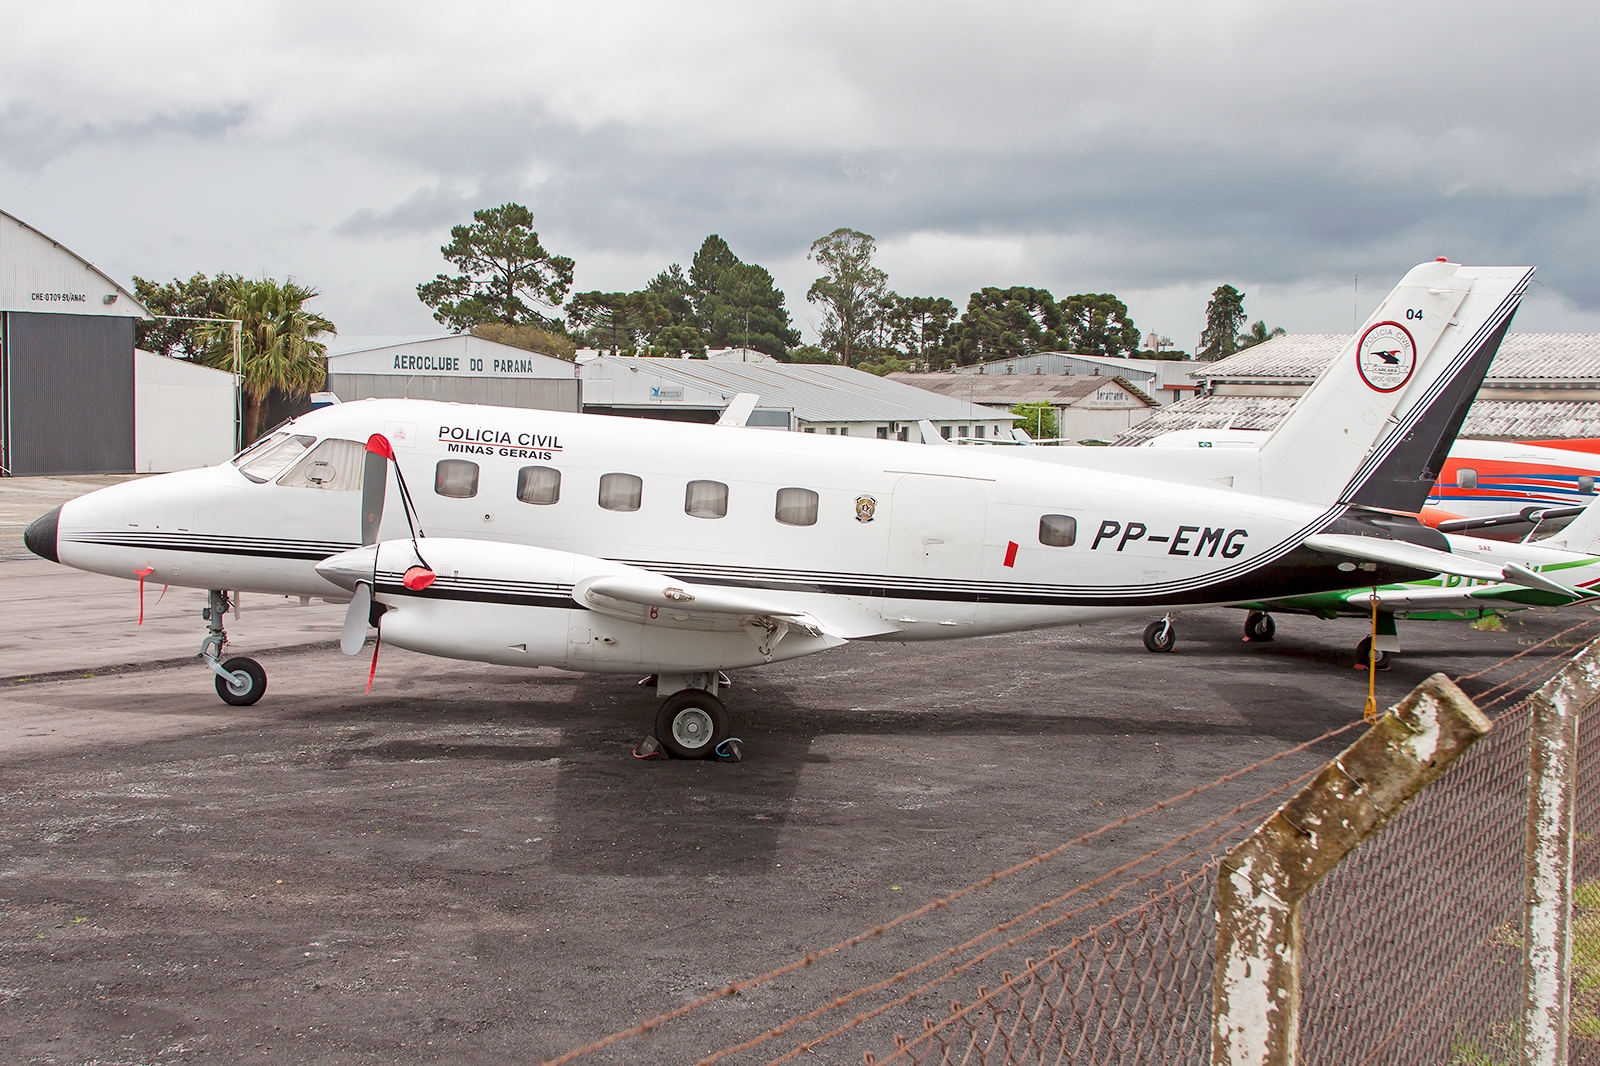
69 394
544 394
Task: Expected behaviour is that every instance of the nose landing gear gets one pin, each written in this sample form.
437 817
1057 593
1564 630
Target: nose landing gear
1160 636
240 681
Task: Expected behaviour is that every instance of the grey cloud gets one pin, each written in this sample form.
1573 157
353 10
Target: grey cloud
31 137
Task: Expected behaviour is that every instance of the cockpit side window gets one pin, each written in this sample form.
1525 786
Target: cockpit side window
333 464
264 465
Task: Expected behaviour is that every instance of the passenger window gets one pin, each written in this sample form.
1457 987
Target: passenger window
797 507
1466 478
1058 530
457 478
538 484
333 464
706 499
1585 485
264 465
621 492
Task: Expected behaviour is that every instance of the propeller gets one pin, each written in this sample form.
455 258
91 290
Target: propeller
374 486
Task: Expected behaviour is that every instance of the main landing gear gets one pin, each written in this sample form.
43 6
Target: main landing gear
240 681
692 722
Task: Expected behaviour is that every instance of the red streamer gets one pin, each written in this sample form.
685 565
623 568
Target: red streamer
372 673
146 572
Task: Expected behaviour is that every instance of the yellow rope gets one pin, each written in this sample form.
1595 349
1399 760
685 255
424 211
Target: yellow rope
1371 712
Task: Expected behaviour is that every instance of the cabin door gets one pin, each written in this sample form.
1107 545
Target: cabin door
936 544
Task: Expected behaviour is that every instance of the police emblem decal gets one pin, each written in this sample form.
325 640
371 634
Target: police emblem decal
866 507
1386 356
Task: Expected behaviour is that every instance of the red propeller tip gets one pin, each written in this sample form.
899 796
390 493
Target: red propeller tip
378 444
418 578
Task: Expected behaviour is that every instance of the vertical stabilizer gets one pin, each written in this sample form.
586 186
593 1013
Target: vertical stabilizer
1374 428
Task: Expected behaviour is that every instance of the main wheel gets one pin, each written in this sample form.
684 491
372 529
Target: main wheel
1160 636
1364 652
691 724
1259 627
247 684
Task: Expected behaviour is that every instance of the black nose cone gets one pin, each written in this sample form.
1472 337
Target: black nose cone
41 535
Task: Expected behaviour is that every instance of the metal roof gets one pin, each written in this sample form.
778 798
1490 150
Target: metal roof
815 392
1058 390
341 345
1297 358
1171 373
1486 419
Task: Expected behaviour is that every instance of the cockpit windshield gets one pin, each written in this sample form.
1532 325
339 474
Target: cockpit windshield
267 459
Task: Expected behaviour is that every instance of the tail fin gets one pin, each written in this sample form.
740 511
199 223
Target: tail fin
1374 428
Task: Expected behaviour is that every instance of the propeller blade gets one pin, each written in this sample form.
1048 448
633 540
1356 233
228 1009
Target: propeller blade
374 483
355 620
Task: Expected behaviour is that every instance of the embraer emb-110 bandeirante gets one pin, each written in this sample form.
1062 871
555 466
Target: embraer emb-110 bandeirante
593 543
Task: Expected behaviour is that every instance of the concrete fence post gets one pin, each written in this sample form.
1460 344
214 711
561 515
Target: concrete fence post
1256 987
1552 804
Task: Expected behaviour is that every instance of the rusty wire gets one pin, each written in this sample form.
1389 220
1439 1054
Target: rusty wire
1409 943
939 903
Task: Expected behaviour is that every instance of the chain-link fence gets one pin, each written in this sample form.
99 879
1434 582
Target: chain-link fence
1413 947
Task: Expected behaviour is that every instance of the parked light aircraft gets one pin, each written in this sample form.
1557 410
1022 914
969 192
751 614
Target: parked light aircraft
1504 490
621 545
1571 558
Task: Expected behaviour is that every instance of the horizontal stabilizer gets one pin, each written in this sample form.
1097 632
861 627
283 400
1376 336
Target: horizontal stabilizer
930 432
1527 516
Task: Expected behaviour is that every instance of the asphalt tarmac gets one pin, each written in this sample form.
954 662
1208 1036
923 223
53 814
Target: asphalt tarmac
469 866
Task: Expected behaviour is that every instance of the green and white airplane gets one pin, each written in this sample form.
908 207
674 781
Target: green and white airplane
1569 562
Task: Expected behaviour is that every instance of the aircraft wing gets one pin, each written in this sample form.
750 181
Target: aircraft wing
1417 557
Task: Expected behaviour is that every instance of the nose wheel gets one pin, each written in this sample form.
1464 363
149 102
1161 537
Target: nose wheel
244 682
240 681
1259 627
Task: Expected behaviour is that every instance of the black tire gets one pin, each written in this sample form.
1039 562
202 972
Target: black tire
1160 636
246 696
1364 650
1259 627
691 723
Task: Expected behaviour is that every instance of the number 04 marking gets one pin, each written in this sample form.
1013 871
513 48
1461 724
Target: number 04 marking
1414 313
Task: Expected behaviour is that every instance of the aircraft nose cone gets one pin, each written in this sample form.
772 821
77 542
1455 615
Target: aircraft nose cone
40 536
348 568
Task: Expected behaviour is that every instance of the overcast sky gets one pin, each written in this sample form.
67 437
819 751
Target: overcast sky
1150 149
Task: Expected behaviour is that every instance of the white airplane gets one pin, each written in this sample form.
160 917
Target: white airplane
592 543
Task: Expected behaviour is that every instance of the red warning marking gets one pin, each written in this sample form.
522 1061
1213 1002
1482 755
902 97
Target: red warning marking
142 574
1011 553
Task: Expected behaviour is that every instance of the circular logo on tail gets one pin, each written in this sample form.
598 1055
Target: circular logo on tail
1386 356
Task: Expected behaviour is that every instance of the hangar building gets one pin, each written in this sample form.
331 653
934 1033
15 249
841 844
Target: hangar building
1164 380
66 360
1541 386
1088 407
458 367
802 397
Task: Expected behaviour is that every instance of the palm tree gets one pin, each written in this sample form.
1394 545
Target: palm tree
279 349
1258 334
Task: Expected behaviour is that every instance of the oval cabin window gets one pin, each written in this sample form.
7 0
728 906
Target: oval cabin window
457 478
797 507
1466 478
539 484
1058 530
706 499
621 492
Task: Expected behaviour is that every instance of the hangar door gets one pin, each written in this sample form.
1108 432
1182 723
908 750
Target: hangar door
66 389
936 532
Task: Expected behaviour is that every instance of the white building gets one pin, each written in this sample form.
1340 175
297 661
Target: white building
1087 407
1165 380
457 367
803 397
